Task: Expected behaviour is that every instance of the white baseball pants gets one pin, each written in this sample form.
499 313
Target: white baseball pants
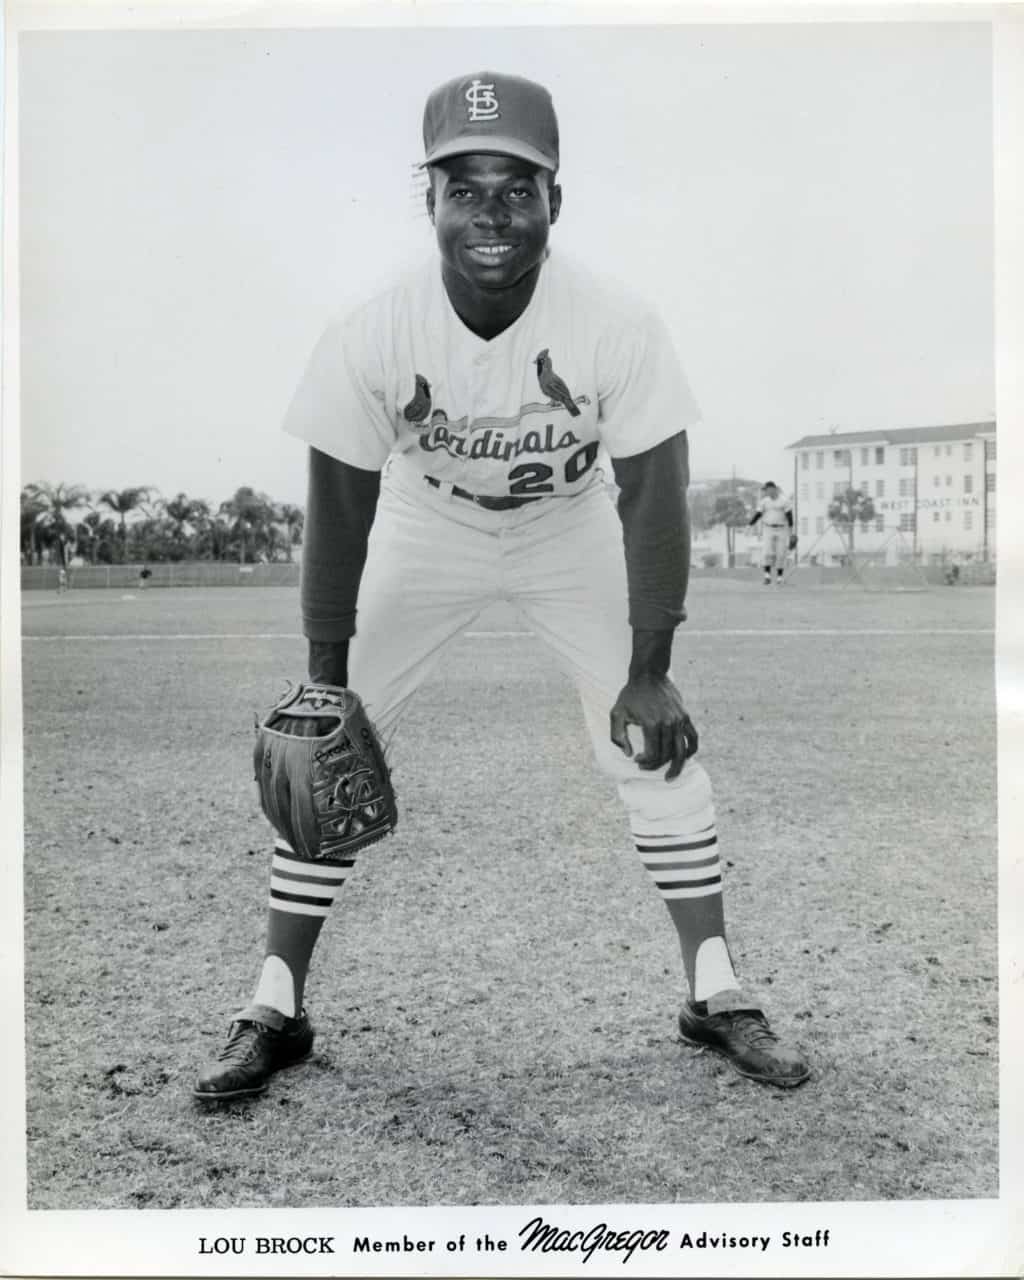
774 545
435 561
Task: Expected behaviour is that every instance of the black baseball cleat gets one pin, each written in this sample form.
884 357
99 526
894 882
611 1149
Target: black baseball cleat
255 1050
746 1041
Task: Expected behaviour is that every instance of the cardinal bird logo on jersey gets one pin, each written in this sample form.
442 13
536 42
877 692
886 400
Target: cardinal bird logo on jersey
552 385
418 408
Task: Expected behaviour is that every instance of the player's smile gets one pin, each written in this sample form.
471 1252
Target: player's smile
491 253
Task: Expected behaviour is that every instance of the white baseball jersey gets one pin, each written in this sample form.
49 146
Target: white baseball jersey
521 414
774 510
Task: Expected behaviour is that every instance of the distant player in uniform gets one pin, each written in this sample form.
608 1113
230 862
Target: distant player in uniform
453 425
775 513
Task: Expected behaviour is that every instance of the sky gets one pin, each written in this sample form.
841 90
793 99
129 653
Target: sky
809 206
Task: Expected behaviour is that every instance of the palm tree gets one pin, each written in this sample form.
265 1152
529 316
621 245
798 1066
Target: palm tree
185 517
850 507
250 514
32 507
95 530
55 502
122 502
213 534
202 542
294 519
730 510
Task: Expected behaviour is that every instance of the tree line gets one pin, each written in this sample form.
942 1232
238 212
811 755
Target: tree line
732 503
60 522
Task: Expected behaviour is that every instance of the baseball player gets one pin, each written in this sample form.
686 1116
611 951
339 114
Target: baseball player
453 425
775 511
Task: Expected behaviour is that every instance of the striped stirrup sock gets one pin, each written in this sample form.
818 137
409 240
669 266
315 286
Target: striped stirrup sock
301 896
686 871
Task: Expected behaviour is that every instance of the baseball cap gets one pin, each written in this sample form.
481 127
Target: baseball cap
491 113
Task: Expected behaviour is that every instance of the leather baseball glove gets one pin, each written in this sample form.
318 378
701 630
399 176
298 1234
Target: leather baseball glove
793 541
324 783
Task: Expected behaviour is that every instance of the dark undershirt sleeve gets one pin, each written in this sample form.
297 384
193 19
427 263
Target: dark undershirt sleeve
341 505
656 532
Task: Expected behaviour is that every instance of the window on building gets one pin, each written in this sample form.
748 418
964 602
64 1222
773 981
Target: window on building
837 488
880 455
936 481
968 521
949 482
907 522
805 461
949 516
879 488
968 453
949 451
805 492
990 451
803 526
864 455
880 524
819 525
906 487
841 457
819 490
968 484
990 482
990 518
937 450
908 457
936 517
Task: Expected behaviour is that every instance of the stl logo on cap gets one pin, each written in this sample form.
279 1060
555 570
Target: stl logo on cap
483 102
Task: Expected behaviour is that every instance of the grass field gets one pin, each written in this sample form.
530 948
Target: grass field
496 990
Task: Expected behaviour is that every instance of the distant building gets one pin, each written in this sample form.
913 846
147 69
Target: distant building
933 490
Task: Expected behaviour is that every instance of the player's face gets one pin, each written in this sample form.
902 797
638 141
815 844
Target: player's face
492 215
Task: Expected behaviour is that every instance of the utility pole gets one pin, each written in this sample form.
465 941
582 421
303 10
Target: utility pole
730 533
984 500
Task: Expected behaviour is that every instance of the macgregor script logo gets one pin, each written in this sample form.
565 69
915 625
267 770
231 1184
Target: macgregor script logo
483 102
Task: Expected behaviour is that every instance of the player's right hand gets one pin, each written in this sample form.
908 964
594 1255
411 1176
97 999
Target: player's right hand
655 706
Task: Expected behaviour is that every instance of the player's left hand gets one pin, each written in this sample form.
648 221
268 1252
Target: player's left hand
655 706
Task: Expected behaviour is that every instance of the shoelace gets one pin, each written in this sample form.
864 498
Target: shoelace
241 1042
759 1034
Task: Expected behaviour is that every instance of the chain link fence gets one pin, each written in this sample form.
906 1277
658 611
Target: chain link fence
124 577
